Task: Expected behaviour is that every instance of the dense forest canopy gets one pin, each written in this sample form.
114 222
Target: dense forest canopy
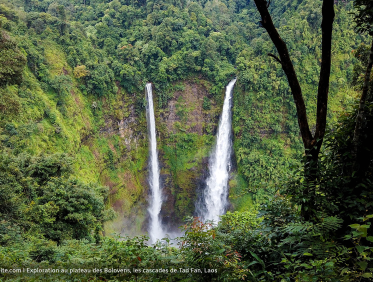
127 44
73 150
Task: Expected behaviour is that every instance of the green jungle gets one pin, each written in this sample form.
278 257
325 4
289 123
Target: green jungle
74 142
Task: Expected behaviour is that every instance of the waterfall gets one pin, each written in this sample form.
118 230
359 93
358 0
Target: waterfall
215 195
155 203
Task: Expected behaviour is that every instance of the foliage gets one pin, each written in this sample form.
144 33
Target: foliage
37 197
362 56
62 84
362 254
363 16
80 71
203 250
82 86
206 104
12 60
239 220
331 192
220 261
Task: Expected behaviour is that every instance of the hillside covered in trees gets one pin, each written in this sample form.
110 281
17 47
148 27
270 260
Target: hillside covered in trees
74 145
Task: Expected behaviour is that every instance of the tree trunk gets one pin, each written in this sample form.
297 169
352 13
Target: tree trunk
359 154
326 59
312 144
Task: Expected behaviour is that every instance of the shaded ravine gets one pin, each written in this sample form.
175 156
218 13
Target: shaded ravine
155 229
214 200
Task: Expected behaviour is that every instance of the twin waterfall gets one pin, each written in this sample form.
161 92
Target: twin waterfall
215 195
155 205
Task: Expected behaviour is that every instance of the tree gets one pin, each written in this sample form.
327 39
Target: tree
360 154
12 61
62 84
39 195
312 142
364 15
81 71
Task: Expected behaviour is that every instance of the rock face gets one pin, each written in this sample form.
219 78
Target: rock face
125 127
126 135
190 100
186 144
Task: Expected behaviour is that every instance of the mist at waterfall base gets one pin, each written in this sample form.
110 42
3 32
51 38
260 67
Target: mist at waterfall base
214 198
155 202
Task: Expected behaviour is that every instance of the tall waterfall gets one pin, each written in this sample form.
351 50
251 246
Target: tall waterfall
215 195
155 203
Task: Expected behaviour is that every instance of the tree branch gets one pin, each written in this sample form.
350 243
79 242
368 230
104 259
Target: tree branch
275 57
323 90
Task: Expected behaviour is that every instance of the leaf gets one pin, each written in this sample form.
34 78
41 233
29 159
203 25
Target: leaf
308 254
367 275
370 238
170 257
356 226
363 265
252 263
306 265
360 249
256 257
357 234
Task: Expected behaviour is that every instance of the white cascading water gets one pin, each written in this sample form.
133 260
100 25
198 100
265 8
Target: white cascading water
155 205
215 196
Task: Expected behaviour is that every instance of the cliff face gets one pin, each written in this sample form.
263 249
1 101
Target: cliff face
122 140
185 128
185 146
186 107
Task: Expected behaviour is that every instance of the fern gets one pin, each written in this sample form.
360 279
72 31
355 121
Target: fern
306 237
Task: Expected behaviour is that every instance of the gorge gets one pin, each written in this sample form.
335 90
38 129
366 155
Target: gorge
91 166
